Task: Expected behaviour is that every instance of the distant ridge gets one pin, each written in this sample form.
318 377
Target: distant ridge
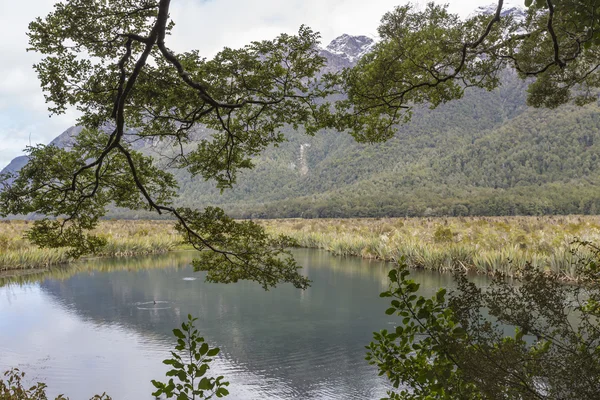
486 154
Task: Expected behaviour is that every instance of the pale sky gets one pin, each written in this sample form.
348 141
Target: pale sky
207 25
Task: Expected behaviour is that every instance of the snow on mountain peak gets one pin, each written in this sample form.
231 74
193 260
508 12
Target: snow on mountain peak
350 47
513 8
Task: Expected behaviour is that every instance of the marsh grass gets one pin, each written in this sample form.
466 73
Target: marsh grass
175 259
478 244
124 238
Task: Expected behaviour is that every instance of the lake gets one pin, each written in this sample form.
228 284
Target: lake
94 327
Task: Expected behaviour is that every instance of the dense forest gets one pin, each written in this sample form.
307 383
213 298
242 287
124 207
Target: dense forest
486 154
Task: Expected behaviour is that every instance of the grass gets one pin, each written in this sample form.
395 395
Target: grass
478 244
175 259
125 238
481 244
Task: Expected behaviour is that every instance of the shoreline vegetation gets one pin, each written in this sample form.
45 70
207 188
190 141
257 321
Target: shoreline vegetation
124 238
483 245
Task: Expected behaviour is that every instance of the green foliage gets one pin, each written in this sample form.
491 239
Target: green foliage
442 234
130 87
229 241
417 355
455 346
12 387
417 61
431 56
189 365
244 95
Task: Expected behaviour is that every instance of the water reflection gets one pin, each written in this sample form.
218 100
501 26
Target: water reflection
106 325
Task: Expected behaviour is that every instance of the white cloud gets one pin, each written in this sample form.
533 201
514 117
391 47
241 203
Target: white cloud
207 25
23 113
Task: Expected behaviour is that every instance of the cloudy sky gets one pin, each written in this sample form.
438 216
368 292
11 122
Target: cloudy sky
207 25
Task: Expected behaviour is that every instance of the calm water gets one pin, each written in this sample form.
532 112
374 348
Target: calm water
99 330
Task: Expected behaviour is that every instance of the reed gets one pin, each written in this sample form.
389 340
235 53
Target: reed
124 238
480 244
176 259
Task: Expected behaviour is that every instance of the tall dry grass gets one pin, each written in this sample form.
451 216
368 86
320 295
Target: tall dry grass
481 244
124 238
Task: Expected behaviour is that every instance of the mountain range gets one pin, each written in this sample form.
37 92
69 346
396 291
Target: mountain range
485 154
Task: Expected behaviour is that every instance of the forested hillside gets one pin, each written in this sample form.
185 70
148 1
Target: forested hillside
486 154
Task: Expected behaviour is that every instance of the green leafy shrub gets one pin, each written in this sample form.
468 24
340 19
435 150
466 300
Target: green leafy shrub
12 388
442 235
189 365
457 345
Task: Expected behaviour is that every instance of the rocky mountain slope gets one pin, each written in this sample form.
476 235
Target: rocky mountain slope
486 154
345 51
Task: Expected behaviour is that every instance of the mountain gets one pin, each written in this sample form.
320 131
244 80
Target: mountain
341 53
345 51
65 139
512 8
15 165
486 154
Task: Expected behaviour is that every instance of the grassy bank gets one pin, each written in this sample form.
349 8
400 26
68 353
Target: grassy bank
125 238
174 259
484 244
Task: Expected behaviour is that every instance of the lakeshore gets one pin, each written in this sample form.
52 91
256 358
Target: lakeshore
484 245
124 238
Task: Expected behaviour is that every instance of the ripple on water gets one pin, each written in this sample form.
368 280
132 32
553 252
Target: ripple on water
152 305
84 335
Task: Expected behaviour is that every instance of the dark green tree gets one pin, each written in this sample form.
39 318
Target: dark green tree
110 60
459 345
431 56
456 347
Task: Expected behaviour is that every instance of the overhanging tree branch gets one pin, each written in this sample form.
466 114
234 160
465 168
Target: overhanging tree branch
102 168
